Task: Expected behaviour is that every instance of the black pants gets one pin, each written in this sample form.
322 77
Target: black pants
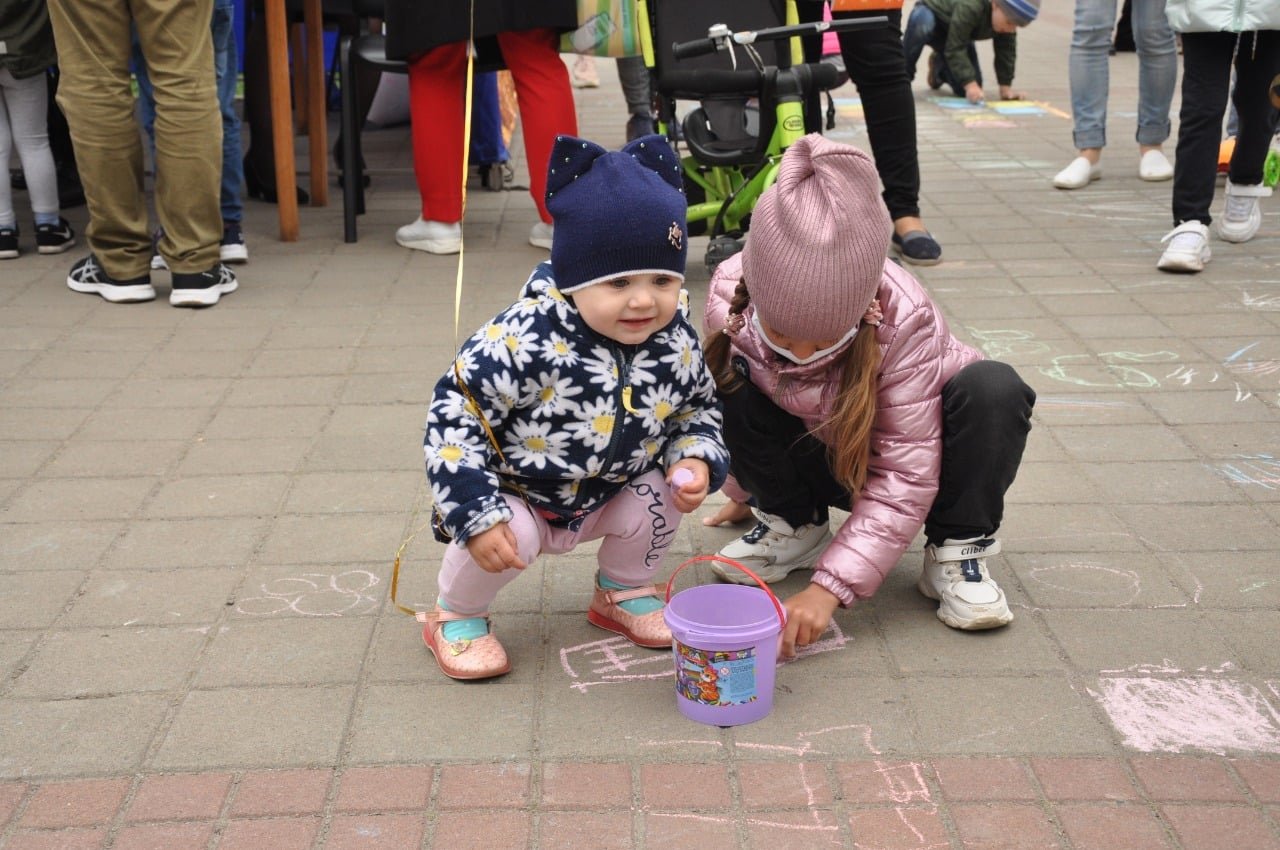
986 414
1206 81
875 63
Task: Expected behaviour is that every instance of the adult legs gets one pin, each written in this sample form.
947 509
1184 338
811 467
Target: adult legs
1157 70
1088 71
436 103
24 127
94 94
1206 76
226 62
545 97
986 415
1257 65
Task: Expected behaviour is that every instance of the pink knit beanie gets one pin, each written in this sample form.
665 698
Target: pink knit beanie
816 249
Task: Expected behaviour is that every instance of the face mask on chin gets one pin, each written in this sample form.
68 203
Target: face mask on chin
815 356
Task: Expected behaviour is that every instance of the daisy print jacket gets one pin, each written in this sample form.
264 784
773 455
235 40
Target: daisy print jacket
577 414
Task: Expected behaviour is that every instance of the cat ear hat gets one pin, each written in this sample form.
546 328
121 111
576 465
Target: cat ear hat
616 212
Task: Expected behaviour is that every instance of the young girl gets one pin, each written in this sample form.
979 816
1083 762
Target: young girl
584 411
26 52
842 386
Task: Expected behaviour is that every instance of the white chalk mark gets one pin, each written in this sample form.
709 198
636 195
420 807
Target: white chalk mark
1128 579
1178 714
315 595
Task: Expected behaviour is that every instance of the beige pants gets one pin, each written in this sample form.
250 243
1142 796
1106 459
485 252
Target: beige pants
93 39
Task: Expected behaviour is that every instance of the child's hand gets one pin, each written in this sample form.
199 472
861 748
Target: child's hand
495 550
694 478
731 512
973 92
1009 93
808 615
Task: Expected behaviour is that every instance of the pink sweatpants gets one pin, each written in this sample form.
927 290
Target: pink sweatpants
637 526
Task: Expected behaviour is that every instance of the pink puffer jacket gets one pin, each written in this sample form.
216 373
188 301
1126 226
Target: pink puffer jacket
919 355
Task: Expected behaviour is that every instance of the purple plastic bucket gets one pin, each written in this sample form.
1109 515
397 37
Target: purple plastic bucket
725 650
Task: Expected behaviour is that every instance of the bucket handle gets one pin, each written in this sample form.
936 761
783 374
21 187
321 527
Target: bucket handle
777 605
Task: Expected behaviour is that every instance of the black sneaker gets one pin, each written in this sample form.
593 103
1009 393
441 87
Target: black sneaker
233 249
8 243
202 289
54 238
88 276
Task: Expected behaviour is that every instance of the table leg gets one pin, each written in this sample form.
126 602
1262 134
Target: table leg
282 119
317 125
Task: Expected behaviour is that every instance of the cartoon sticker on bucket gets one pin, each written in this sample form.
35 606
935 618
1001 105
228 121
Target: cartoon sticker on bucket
723 677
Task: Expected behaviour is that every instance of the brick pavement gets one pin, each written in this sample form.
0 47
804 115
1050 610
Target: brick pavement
198 512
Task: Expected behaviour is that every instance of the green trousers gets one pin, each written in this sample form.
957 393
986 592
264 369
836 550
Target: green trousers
94 91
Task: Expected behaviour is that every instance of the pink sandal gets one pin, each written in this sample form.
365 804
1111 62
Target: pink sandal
481 658
647 630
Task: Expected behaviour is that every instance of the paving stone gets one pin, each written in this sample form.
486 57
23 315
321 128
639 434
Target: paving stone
1086 580
768 785
670 786
1116 640
62 839
102 662
384 789
285 652
255 727
101 736
352 492
400 723
690 829
279 422
1084 779
277 833
86 802
333 539
1262 777
244 456
601 830
1096 827
34 600
219 495
79 499
281 792
125 424
163 836
20 459
153 597
153 544
116 456
898 828
1169 778
586 785
1009 826
1201 827
310 591
457 831
293 390
182 796
483 786
375 831
984 779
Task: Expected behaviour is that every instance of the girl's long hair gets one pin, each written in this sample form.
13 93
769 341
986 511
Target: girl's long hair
854 410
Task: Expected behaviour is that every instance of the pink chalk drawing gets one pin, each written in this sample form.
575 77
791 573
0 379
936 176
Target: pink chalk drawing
1177 713
904 786
614 660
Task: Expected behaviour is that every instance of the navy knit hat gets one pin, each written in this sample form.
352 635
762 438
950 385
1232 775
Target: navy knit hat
616 212
1020 12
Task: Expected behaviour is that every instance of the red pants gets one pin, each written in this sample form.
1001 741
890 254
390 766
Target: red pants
437 99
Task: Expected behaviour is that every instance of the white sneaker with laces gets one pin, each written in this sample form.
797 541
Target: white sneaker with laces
773 549
1079 173
955 574
1243 214
434 237
1188 249
541 235
1155 167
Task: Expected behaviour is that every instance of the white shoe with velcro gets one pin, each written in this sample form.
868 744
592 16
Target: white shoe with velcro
1243 215
955 574
773 549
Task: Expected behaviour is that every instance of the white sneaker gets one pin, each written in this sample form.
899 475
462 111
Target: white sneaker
541 235
1155 167
1079 173
1188 249
434 237
955 574
773 549
1243 215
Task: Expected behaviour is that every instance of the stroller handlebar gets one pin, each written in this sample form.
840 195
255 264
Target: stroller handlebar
719 35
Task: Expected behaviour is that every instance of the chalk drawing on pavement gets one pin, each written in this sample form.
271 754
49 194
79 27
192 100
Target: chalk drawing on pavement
315 595
1256 470
999 344
1092 580
1171 712
615 660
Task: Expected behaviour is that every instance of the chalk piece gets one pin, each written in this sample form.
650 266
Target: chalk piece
681 477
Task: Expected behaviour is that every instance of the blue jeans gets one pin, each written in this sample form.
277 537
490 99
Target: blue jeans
1089 63
226 64
925 30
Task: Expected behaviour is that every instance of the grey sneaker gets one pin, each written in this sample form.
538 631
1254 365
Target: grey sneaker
955 574
1243 215
89 276
202 289
773 549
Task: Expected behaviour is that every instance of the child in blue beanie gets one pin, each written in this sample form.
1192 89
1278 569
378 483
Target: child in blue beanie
584 411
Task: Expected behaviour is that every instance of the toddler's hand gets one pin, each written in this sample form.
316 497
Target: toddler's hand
689 479
495 550
973 93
